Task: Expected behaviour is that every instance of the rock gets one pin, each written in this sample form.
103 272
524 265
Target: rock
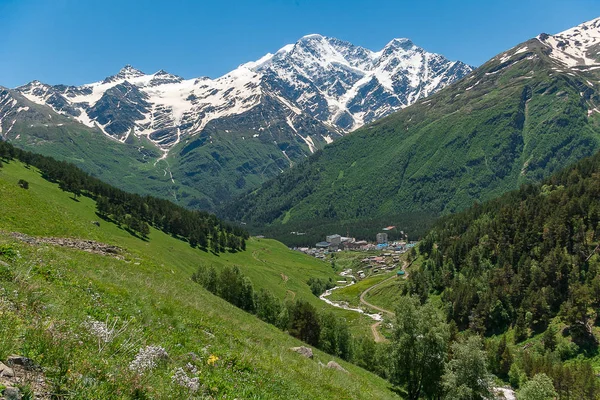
333 365
303 351
12 393
26 363
6 371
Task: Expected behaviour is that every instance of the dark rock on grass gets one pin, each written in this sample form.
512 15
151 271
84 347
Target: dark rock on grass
26 363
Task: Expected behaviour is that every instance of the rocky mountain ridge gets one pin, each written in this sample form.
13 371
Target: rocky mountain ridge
332 83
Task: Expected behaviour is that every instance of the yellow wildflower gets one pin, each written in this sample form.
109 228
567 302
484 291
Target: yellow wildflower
212 359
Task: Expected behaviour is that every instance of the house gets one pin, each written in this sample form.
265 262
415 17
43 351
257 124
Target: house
322 245
382 238
334 239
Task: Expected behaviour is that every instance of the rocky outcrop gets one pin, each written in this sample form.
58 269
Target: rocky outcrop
333 365
18 371
303 351
85 245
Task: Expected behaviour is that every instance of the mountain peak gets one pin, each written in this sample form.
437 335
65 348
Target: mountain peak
312 36
129 70
576 47
400 43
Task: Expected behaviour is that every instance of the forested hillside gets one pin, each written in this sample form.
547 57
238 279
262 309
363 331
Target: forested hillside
525 264
517 119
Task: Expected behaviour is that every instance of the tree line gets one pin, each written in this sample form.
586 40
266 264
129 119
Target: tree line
299 318
133 211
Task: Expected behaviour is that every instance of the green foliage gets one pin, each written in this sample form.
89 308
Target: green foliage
304 322
549 338
133 211
467 376
300 318
501 358
419 349
319 286
520 260
23 184
540 387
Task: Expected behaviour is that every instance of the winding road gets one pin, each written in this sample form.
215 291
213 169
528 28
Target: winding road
366 303
379 338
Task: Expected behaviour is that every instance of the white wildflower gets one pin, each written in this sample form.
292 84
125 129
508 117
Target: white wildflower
147 358
107 332
98 329
183 380
192 368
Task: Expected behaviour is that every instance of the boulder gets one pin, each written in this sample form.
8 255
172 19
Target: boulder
6 371
333 365
303 351
26 363
12 393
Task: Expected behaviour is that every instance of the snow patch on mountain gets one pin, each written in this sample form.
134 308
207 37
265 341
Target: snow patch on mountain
576 47
334 82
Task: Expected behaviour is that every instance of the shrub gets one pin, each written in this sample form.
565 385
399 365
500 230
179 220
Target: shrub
23 184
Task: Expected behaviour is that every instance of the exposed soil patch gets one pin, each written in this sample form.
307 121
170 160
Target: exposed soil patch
20 372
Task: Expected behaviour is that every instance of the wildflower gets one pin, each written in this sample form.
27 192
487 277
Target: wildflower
212 359
183 380
192 368
147 358
99 329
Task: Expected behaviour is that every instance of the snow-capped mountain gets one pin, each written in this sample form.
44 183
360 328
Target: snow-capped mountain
576 47
321 87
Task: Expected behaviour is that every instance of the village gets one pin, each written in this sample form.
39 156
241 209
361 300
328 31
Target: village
381 255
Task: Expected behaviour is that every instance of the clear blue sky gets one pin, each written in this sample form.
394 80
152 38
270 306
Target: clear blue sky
81 41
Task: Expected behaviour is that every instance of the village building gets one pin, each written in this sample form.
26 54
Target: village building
382 238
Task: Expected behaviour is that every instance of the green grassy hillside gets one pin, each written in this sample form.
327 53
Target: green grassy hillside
516 119
49 294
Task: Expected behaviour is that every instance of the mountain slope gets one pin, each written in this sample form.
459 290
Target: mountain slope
219 137
519 117
51 293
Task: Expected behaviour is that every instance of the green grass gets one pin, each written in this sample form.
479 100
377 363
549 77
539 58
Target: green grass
49 292
351 294
387 294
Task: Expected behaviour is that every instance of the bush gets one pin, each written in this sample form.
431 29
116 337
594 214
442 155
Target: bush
318 286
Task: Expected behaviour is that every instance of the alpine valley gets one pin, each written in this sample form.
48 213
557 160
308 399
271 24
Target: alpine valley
172 238
522 115
202 141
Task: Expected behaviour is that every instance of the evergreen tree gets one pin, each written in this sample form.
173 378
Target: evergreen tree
304 322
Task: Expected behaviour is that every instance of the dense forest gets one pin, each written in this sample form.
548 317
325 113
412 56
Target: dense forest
306 233
525 264
134 212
